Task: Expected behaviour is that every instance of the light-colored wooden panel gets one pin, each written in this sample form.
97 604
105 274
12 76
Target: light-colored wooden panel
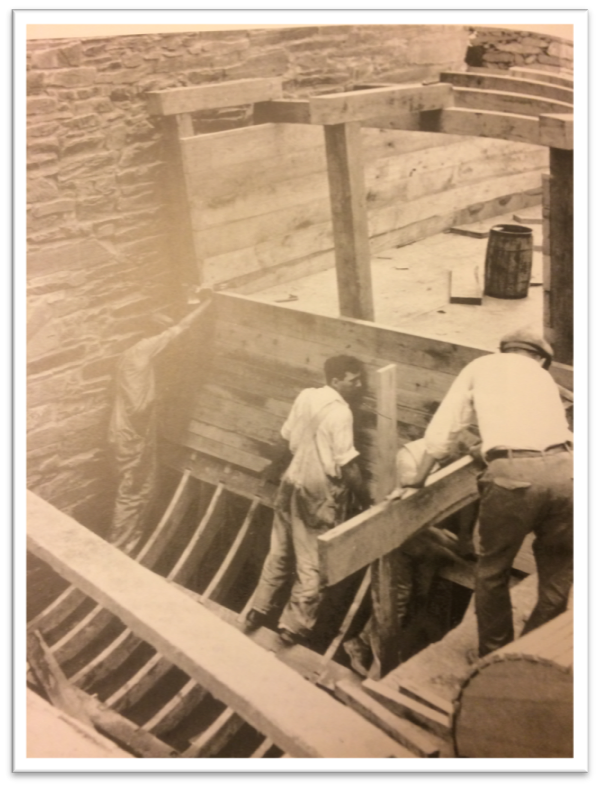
284 111
508 84
493 124
496 101
278 702
364 104
223 452
258 201
385 526
213 96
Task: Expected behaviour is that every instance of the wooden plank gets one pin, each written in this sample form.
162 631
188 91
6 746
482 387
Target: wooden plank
80 635
490 123
356 105
214 96
224 452
401 705
127 733
52 679
176 709
214 739
426 696
347 622
384 527
267 745
198 546
557 130
498 101
560 289
284 111
386 383
465 287
418 741
139 684
236 557
349 220
538 75
276 701
507 83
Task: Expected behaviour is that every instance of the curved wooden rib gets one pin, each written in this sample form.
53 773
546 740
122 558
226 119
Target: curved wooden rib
509 84
107 660
139 684
96 622
176 708
267 745
355 606
494 125
57 611
199 543
496 101
236 557
214 739
536 75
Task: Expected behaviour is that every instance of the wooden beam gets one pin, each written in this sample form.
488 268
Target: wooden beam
557 130
420 742
349 220
276 701
214 96
386 385
542 76
384 527
494 125
560 281
355 106
435 721
284 111
465 286
507 83
497 101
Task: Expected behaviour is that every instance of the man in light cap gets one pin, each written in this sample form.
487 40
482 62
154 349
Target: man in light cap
527 485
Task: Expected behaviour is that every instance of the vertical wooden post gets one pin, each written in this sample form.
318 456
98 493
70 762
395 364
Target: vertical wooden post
559 283
385 632
183 250
349 219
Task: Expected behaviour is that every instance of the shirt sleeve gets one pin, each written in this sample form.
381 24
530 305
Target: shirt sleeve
455 413
290 424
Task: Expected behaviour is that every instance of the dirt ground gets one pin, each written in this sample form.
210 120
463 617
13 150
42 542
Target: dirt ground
411 288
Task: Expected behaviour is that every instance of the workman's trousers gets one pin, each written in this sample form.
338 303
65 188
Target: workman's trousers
520 495
292 557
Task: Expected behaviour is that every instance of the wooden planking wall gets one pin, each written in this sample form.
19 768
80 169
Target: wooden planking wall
259 197
264 354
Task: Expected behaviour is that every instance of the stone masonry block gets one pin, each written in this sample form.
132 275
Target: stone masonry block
55 207
71 77
68 256
58 58
41 105
41 190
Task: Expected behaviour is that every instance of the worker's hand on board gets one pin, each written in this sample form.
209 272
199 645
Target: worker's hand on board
400 493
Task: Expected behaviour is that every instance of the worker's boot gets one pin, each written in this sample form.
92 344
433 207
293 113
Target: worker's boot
359 654
253 621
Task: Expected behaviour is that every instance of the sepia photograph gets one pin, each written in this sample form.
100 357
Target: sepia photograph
295 308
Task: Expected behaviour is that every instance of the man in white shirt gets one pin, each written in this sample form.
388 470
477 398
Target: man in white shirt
527 486
312 497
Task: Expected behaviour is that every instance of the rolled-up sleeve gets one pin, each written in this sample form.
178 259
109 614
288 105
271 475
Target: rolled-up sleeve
337 430
455 413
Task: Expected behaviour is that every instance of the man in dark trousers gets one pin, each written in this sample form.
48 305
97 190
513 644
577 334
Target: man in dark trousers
527 485
312 498
133 429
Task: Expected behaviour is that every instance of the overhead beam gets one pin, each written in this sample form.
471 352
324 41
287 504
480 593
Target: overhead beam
498 101
349 220
213 96
508 84
359 105
298 717
494 125
557 130
385 526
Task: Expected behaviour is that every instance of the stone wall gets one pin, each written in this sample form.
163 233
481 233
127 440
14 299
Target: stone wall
98 222
492 47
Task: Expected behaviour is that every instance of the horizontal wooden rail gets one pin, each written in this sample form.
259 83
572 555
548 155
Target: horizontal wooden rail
180 100
508 83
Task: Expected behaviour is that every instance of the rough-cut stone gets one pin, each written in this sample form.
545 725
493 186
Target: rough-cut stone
68 256
40 190
58 58
56 207
71 77
41 105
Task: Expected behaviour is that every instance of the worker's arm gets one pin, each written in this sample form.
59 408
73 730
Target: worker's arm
281 457
352 477
424 468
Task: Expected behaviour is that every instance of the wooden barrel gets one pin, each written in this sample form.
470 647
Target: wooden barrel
508 261
518 702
